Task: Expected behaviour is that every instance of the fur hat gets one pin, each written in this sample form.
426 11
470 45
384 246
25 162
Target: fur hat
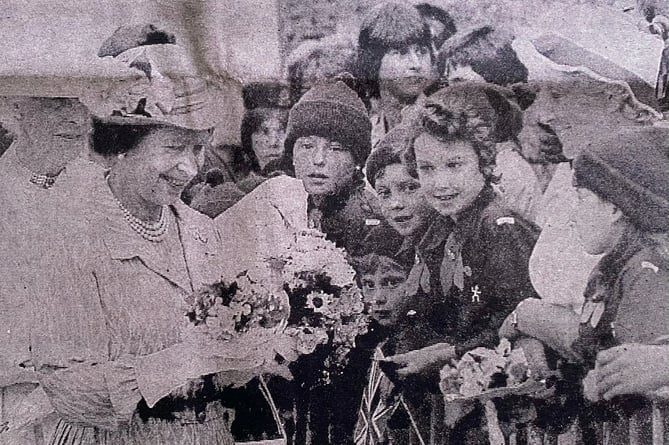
266 95
393 25
629 168
333 111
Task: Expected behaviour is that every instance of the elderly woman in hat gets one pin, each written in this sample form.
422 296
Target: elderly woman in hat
118 359
49 133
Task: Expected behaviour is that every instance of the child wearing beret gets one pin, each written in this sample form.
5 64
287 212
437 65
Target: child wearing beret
622 213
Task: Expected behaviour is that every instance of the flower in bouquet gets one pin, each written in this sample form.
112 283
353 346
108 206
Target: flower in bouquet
326 304
482 369
230 309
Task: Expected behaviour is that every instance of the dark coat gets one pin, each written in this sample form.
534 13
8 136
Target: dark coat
347 218
470 275
625 302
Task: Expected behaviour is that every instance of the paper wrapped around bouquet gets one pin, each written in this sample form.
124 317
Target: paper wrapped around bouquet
261 223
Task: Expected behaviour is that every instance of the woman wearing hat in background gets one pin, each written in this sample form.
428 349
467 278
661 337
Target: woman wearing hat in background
118 359
49 133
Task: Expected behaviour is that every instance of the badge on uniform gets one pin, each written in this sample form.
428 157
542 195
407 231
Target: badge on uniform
505 220
592 312
649 265
597 313
476 294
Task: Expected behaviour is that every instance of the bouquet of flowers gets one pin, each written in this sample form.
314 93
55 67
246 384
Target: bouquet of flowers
232 309
305 291
327 311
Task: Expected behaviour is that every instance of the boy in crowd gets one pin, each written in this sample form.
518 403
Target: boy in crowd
386 415
396 62
481 54
407 215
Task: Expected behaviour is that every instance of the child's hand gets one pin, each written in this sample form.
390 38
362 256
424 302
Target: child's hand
590 391
632 369
420 360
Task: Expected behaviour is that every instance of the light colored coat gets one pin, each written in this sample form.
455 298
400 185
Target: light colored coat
112 297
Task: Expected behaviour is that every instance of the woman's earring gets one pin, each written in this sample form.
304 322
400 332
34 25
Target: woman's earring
120 156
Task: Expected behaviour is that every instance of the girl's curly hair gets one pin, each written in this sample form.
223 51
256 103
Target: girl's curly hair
475 113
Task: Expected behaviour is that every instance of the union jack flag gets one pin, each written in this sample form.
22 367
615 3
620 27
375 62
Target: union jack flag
377 407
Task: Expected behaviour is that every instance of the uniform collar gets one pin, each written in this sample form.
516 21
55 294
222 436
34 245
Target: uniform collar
442 227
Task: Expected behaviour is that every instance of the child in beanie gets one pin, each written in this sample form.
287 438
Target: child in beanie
622 213
396 62
328 141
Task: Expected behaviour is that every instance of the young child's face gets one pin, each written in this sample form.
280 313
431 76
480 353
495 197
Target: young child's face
402 202
267 141
448 172
324 166
383 291
595 222
408 71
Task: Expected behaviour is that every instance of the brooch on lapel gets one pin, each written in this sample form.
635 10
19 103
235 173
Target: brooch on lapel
476 294
198 236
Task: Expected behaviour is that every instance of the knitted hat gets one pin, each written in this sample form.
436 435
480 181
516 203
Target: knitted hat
389 150
333 111
266 95
629 169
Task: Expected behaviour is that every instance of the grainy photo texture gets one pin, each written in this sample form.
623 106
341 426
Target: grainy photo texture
347 222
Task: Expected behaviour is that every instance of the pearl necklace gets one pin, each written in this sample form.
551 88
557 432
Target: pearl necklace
154 232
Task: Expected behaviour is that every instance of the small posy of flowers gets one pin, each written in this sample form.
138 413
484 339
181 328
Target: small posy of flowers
231 309
482 369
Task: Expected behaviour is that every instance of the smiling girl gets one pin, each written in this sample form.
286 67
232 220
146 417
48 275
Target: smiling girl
473 265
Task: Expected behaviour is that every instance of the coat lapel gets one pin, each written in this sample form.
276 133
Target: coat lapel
124 244
201 244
